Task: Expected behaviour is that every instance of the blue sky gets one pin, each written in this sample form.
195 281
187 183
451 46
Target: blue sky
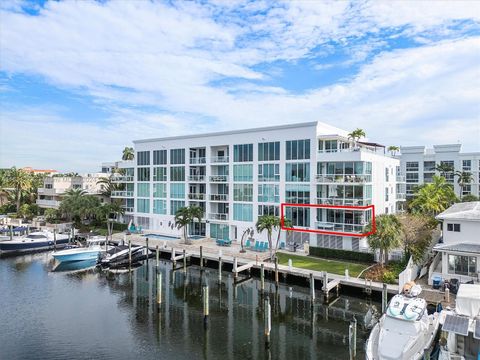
81 80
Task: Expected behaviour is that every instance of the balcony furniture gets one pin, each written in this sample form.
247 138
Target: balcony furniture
223 242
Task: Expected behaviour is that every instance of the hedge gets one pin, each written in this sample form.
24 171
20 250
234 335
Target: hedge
342 254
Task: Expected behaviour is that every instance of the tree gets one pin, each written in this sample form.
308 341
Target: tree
128 153
444 169
287 223
51 215
356 135
78 206
386 236
416 235
107 186
267 223
185 216
393 149
463 178
20 181
433 198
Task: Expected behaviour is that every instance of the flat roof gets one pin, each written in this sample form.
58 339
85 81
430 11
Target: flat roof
230 132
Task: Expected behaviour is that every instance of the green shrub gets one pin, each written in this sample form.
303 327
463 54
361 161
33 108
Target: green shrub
389 277
341 254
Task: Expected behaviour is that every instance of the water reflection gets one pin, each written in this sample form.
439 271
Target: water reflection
75 265
122 311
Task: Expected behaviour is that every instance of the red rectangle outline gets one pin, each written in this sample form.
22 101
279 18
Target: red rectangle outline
374 227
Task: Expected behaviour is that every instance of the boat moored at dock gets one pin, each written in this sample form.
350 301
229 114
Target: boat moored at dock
92 251
35 241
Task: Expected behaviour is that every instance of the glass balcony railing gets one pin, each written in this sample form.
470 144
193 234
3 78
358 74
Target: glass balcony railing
219 159
199 178
219 197
122 194
341 227
219 178
343 178
344 201
128 208
217 216
198 160
400 178
122 178
401 196
196 196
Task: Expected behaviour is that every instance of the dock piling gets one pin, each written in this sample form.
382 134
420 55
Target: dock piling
235 272
447 295
289 264
55 239
268 321
184 261
146 245
157 256
262 277
201 257
129 252
11 232
205 304
219 268
384 297
276 271
347 275
352 337
159 287
173 257
312 288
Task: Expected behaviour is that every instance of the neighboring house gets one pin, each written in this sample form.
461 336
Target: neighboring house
237 176
418 164
54 187
459 253
39 171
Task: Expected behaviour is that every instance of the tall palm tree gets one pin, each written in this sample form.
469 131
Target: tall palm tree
185 216
393 149
107 186
128 153
444 169
463 178
267 223
386 236
287 223
20 181
356 135
433 198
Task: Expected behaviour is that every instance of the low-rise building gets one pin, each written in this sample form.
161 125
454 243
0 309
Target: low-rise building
458 255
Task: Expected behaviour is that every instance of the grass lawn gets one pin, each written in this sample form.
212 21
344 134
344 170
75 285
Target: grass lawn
313 263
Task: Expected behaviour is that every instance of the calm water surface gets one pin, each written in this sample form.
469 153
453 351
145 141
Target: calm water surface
89 314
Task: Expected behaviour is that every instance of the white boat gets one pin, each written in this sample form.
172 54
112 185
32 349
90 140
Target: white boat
460 339
92 251
35 241
405 331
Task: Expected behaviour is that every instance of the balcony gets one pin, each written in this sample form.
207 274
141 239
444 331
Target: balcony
48 203
122 178
275 178
46 191
348 150
343 178
197 178
196 196
198 161
128 208
217 216
219 197
341 227
219 159
122 194
401 196
219 178
400 178
343 202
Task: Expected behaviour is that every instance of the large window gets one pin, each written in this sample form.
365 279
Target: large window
160 173
143 158
242 192
268 210
412 166
177 173
462 265
219 231
242 153
297 194
269 172
143 205
243 212
466 165
298 172
143 174
243 172
298 149
412 178
143 190
268 193
177 191
299 216
177 156
160 207
269 151
159 157
429 166
160 191
175 205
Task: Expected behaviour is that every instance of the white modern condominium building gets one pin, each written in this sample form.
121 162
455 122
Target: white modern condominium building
237 176
419 165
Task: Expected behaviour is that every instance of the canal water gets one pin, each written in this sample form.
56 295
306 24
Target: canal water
60 313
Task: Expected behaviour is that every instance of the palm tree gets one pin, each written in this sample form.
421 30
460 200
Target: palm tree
20 181
287 223
185 216
267 223
444 169
128 153
433 198
393 149
386 236
356 135
107 186
464 178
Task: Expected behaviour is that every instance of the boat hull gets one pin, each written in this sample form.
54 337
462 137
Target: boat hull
77 256
10 247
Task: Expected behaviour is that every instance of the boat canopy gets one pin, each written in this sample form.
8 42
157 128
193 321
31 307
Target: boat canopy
468 300
406 308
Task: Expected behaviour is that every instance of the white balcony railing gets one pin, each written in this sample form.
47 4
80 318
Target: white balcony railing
46 191
122 178
198 160
343 178
128 208
341 227
122 194
48 203
217 216
346 201
219 197
199 178
350 149
401 196
196 196
219 159
219 178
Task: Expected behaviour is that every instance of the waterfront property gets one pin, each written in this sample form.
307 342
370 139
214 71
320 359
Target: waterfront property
419 164
237 176
458 255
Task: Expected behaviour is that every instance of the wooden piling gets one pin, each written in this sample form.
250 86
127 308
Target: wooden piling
276 271
219 268
312 288
11 232
129 252
384 297
205 304
352 339
290 265
235 265
184 261
201 257
159 287
146 245
447 295
268 321
325 284
55 239
174 262
157 256
262 277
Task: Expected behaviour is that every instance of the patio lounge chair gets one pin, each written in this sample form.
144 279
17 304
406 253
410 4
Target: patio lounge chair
247 243
282 245
257 246
265 246
220 242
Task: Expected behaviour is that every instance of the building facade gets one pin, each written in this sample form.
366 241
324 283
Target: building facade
419 165
237 176
54 187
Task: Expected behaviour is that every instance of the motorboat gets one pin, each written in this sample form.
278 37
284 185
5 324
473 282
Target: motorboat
35 241
91 251
406 331
74 266
460 336
119 255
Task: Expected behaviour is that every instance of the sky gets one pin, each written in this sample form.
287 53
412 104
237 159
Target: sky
80 80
